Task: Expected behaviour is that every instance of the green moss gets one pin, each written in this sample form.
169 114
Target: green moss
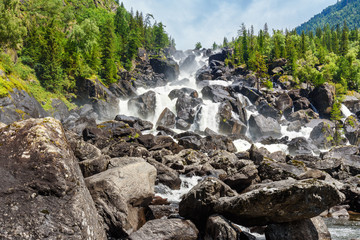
9 83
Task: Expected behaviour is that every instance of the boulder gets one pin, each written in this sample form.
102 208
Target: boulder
284 103
198 204
43 194
166 175
323 135
178 93
221 56
352 103
135 122
322 98
168 67
216 93
301 146
276 171
175 229
301 104
229 125
60 110
260 126
279 202
95 165
121 193
186 108
267 110
217 142
217 227
309 229
123 89
189 64
304 116
203 74
144 104
166 119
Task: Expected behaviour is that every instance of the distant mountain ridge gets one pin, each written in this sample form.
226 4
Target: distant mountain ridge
348 10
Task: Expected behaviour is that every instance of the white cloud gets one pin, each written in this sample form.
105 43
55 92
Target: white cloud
190 21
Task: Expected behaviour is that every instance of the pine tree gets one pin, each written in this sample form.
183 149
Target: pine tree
344 43
108 72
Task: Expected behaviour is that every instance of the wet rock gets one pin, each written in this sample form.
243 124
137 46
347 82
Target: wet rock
43 194
257 154
221 56
294 126
351 189
182 124
166 175
352 130
312 229
260 126
352 103
322 98
322 135
339 212
165 131
217 142
166 119
175 229
227 124
187 107
267 110
121 193
189 64
178 93
145 104
216 93
271 202
251 93
203 74
301 146
135 122
217 227
197 205
168 67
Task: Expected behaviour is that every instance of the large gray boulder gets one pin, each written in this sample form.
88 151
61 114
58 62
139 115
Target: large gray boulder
43 194
261 127
322 98
168 67
121 193
278 202
144 104
174 229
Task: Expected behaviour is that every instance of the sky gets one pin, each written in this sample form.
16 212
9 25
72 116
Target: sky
209 21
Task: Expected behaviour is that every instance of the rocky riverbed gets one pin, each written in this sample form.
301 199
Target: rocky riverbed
261 159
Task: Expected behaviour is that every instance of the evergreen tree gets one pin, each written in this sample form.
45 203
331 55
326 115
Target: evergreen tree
344 44
108 72
198 46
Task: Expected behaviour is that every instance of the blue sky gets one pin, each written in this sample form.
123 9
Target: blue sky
206 21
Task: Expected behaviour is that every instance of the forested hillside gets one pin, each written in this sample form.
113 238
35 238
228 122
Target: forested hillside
330 55
344 10
61 42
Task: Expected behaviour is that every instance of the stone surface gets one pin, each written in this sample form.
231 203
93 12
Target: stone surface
168 67
309 229
144 104
323 135
260 126
174 229
43 194
166 119
279 202
166 175
121 193
323 98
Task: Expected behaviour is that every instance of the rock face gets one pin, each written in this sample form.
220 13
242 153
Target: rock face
121 193
323 98
43 194
175 229
309 229
168 67
323 135
277 202
19 105
166 119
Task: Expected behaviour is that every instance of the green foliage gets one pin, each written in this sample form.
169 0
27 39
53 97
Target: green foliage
198 46
12 29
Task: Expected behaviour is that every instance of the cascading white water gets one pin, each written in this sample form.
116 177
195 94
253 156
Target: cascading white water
345 111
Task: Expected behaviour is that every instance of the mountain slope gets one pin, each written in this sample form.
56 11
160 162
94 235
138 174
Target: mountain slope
348 10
